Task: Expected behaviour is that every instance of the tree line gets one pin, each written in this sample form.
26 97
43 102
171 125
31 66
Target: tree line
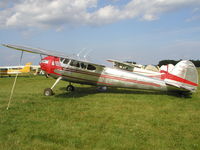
174 62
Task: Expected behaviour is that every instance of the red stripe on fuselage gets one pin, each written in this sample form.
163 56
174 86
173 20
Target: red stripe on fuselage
178 79
111 77
87 80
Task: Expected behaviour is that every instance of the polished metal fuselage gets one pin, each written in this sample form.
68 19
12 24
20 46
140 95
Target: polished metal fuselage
112 77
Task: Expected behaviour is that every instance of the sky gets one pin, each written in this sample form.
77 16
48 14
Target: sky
143 31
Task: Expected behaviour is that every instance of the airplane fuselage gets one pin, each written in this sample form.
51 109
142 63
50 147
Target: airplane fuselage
86 73
111 77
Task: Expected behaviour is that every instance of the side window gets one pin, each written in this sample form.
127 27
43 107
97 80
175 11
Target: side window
83 66
57 63
74 63
78 65
66 61
61 59
91 67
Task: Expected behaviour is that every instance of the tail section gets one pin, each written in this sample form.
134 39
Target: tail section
183 76
27 68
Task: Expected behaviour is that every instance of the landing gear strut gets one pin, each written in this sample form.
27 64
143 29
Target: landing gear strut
70 88
49 91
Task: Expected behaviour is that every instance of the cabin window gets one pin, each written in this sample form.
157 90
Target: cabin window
61 59
57 63
91 67
74 63
66 61
83 66
78 65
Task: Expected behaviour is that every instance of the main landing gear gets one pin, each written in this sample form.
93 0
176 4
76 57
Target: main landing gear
49 91
70 88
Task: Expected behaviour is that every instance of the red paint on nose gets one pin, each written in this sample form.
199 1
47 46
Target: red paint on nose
49 64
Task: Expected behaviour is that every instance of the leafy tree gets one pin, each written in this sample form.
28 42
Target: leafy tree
174 62
196 62
166 62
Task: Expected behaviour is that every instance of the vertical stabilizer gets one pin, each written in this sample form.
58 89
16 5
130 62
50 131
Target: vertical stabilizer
26 69
184 75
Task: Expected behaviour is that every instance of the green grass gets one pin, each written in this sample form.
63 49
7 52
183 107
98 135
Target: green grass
114 120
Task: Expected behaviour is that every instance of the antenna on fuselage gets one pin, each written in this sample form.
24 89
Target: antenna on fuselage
81 51
85 56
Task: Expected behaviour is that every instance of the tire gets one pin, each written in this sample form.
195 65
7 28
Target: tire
102 88
70 88
48 92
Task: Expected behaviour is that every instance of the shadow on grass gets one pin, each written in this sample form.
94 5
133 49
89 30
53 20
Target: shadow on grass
85 91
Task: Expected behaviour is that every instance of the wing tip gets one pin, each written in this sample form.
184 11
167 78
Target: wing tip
6 45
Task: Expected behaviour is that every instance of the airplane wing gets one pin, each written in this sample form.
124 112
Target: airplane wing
36 50
45 52
10 67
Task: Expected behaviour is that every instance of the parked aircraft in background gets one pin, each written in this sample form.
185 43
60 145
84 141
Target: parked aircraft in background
13 70
183 78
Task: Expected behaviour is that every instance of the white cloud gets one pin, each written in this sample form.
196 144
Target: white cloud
196 15
58 13
193 18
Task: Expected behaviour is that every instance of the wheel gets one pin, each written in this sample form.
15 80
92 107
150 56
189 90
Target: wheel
48 92
102 88
46 75
70 88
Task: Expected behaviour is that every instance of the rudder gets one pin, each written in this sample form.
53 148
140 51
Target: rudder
184 75
27 68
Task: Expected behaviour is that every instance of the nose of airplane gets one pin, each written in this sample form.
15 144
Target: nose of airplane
44 64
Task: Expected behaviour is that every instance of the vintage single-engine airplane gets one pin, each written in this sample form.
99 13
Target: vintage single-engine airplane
183 78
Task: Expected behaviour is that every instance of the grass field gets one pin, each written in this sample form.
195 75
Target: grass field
118 119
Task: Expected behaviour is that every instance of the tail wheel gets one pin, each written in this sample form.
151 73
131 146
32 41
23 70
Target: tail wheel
48 92
102 88
70 88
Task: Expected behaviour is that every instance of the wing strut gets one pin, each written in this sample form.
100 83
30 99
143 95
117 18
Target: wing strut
13 87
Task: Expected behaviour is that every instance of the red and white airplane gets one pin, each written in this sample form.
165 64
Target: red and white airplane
182 79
